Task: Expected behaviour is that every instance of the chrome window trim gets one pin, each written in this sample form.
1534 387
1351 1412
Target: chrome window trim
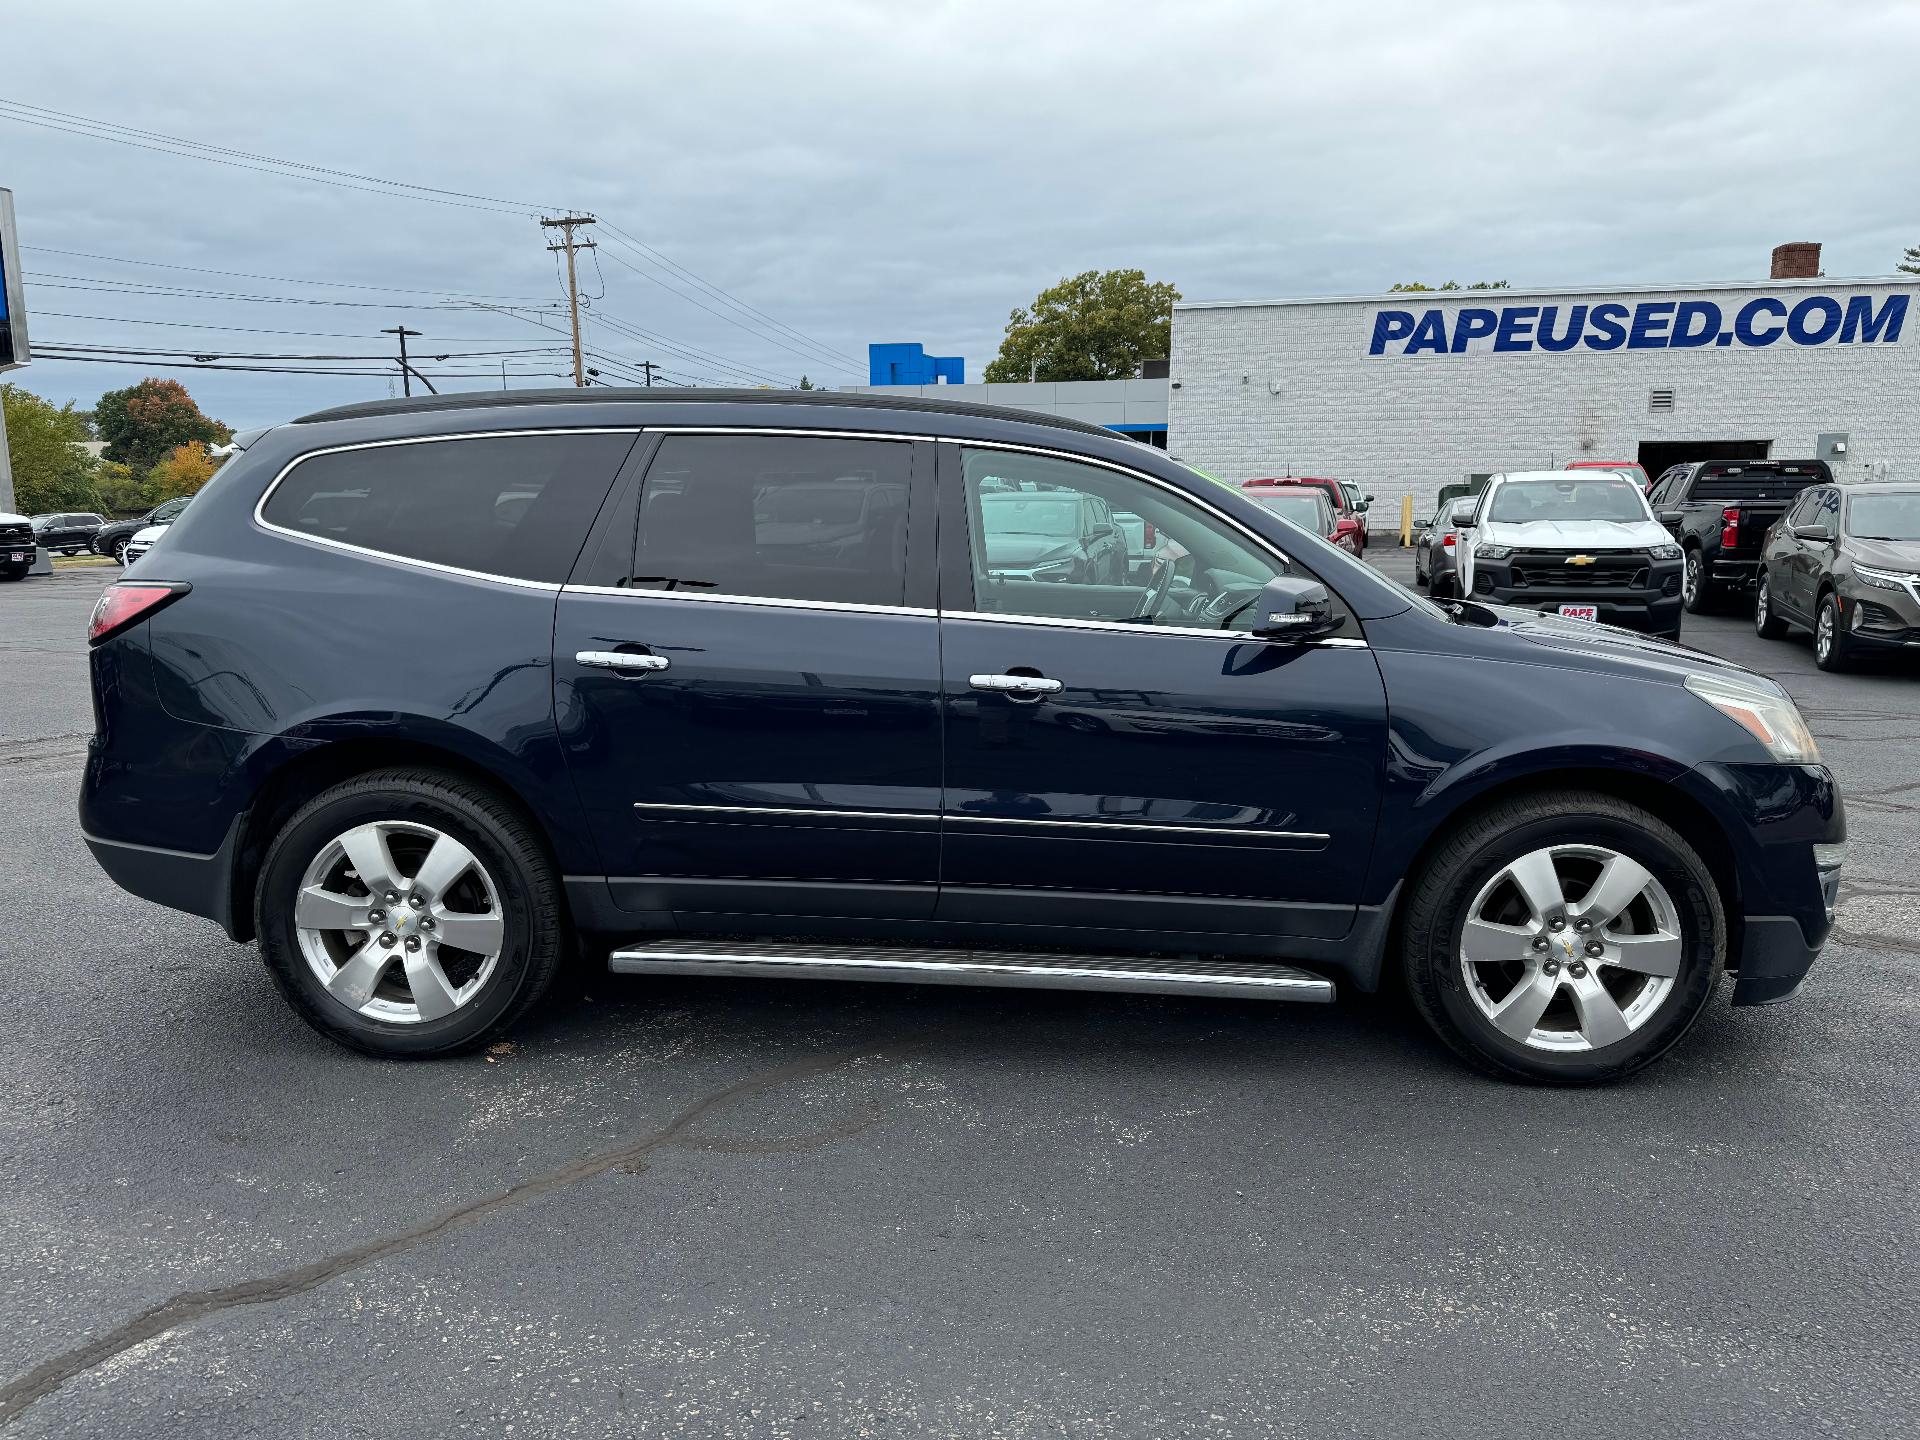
634 591
1062 823
551 587
1069 623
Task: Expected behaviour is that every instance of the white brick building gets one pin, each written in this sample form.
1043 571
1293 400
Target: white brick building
1406 392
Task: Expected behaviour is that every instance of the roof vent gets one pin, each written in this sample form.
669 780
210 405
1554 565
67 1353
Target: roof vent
1660 402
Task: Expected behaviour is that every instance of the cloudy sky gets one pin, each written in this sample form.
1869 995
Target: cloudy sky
838 173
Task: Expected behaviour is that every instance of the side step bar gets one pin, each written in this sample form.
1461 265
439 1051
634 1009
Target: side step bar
1246 979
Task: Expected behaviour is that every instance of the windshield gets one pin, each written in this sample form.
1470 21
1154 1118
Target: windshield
1029 515
1885 517
1520 502
1301 507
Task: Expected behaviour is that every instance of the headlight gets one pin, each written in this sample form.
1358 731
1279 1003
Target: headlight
1492 552
1883 579
1665 552
1768 715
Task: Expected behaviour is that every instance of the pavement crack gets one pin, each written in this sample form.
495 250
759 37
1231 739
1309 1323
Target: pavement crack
193 1305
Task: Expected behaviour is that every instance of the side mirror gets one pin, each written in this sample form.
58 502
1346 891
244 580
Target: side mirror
1102 532
1812 532
1294 609
1671 517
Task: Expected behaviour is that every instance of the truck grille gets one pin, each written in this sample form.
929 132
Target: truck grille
16 535
1551 569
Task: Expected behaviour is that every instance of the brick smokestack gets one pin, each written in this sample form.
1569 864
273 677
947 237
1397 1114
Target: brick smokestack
1797 260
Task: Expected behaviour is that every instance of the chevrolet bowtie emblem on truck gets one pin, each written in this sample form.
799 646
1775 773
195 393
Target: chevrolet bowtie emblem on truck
1579 559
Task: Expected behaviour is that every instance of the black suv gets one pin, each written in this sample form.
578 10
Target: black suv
68 533
430 695
1720 512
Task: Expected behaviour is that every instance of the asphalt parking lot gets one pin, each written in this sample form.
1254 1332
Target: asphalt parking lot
763 1209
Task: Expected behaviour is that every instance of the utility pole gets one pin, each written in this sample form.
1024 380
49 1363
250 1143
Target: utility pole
647 367
406 370
566 225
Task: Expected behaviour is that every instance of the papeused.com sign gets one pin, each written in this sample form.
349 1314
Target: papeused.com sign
1644 325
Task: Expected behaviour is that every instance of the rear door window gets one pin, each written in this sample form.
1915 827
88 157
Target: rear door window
782 517
517 506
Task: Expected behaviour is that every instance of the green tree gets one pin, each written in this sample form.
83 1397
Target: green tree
1910 262
805 383
144 422
117 490
1098 325
1450 285
50 470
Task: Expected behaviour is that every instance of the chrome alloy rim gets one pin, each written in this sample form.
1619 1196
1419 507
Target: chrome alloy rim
400 922
1690 576
1760 605
1823 632
1571 948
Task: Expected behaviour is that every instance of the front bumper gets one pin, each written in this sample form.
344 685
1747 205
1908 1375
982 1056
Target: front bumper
1882 618
1652 606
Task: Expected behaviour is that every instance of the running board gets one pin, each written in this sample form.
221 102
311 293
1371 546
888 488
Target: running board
1245 979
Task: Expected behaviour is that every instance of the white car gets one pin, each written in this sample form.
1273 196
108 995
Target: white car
1581 544
142 542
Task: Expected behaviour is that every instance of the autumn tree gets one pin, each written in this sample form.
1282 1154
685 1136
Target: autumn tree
1098 325
144 422
50 470
181 471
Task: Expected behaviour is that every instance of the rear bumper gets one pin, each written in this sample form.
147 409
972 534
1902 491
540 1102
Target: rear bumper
178 879
1733 572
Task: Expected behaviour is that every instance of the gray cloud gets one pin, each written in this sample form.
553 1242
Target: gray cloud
884 172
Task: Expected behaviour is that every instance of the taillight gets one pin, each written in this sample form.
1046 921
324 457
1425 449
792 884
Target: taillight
1730 527
130 600
1446 540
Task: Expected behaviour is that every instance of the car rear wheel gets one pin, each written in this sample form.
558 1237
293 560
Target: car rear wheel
409 913
1766 624
1566 938
1830 648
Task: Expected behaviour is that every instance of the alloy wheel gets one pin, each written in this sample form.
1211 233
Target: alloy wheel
1571 948
1760 607
1690 578
1823 633
399 922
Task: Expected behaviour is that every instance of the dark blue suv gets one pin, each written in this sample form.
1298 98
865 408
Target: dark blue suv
430 695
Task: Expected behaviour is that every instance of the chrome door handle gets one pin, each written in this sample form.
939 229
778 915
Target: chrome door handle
1017 687
621 660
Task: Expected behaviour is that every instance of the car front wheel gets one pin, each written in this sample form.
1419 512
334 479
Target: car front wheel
1830 648
409 913
1567 938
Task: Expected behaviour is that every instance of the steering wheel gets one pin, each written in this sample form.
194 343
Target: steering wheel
1159 587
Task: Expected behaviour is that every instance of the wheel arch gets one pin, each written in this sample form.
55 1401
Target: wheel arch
1694 822
306 773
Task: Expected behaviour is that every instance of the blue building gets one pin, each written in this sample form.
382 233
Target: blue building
907 363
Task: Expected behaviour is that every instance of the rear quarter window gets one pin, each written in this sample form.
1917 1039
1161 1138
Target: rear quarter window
517 506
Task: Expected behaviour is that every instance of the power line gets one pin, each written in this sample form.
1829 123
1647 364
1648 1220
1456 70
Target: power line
137 351
185 292
278 279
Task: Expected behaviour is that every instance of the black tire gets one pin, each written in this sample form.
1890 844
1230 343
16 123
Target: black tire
1697 591
1474 853
1835 653
1767 624
13 574
537 933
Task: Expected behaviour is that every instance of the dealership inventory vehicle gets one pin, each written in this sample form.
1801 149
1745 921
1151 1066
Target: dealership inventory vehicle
1720 511
1436 546
1844 563
1353 521
1359 504
1310 510
425 747
1052 535
17 545
67 533
1583 546
114 537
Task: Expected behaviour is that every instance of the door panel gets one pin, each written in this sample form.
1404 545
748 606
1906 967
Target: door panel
785 759
1169 767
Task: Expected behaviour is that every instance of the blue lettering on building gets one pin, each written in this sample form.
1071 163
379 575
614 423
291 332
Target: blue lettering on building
1810 320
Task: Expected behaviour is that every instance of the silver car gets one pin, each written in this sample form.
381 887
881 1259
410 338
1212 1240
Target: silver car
1435 547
